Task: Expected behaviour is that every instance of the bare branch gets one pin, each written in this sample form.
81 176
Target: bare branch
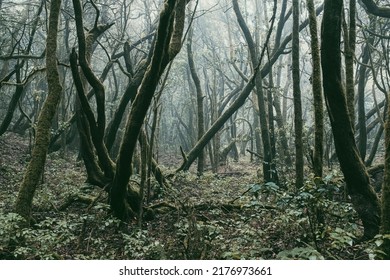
371 7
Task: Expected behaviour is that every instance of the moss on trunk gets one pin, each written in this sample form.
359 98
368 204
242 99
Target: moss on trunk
36 165
362 195
164 51
385 227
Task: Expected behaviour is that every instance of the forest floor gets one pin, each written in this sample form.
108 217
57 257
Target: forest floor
229 215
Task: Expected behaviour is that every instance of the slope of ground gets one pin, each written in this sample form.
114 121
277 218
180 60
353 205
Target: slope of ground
230 215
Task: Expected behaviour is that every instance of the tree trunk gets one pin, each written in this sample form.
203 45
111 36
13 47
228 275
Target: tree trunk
385 227
298 122
19 88
199 99
130 92
35 167
374 146
362 195
94 173
271 119
233 136
378 138
13 103
167 45
361 101
268 173
317 94
280 120
256 129
349 46
96 127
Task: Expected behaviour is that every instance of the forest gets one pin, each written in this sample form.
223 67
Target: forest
190 129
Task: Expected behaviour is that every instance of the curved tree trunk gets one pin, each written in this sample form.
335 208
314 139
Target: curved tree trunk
167 46
372 7
199 99
38 157
96 127
362 195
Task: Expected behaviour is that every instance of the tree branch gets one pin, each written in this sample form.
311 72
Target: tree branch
371 7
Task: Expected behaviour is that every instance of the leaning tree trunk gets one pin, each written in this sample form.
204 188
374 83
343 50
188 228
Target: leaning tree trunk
236 104
362 195
13 103
42 139
167 46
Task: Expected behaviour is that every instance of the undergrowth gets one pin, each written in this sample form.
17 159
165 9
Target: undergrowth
227 216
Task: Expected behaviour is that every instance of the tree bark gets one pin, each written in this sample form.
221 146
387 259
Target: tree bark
318 153
199 99
13 103
298 122
361 101
35 167
362 195
167 45
130 93
385 226
268 173
380 130
349 46
271 125
374 9
97 127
